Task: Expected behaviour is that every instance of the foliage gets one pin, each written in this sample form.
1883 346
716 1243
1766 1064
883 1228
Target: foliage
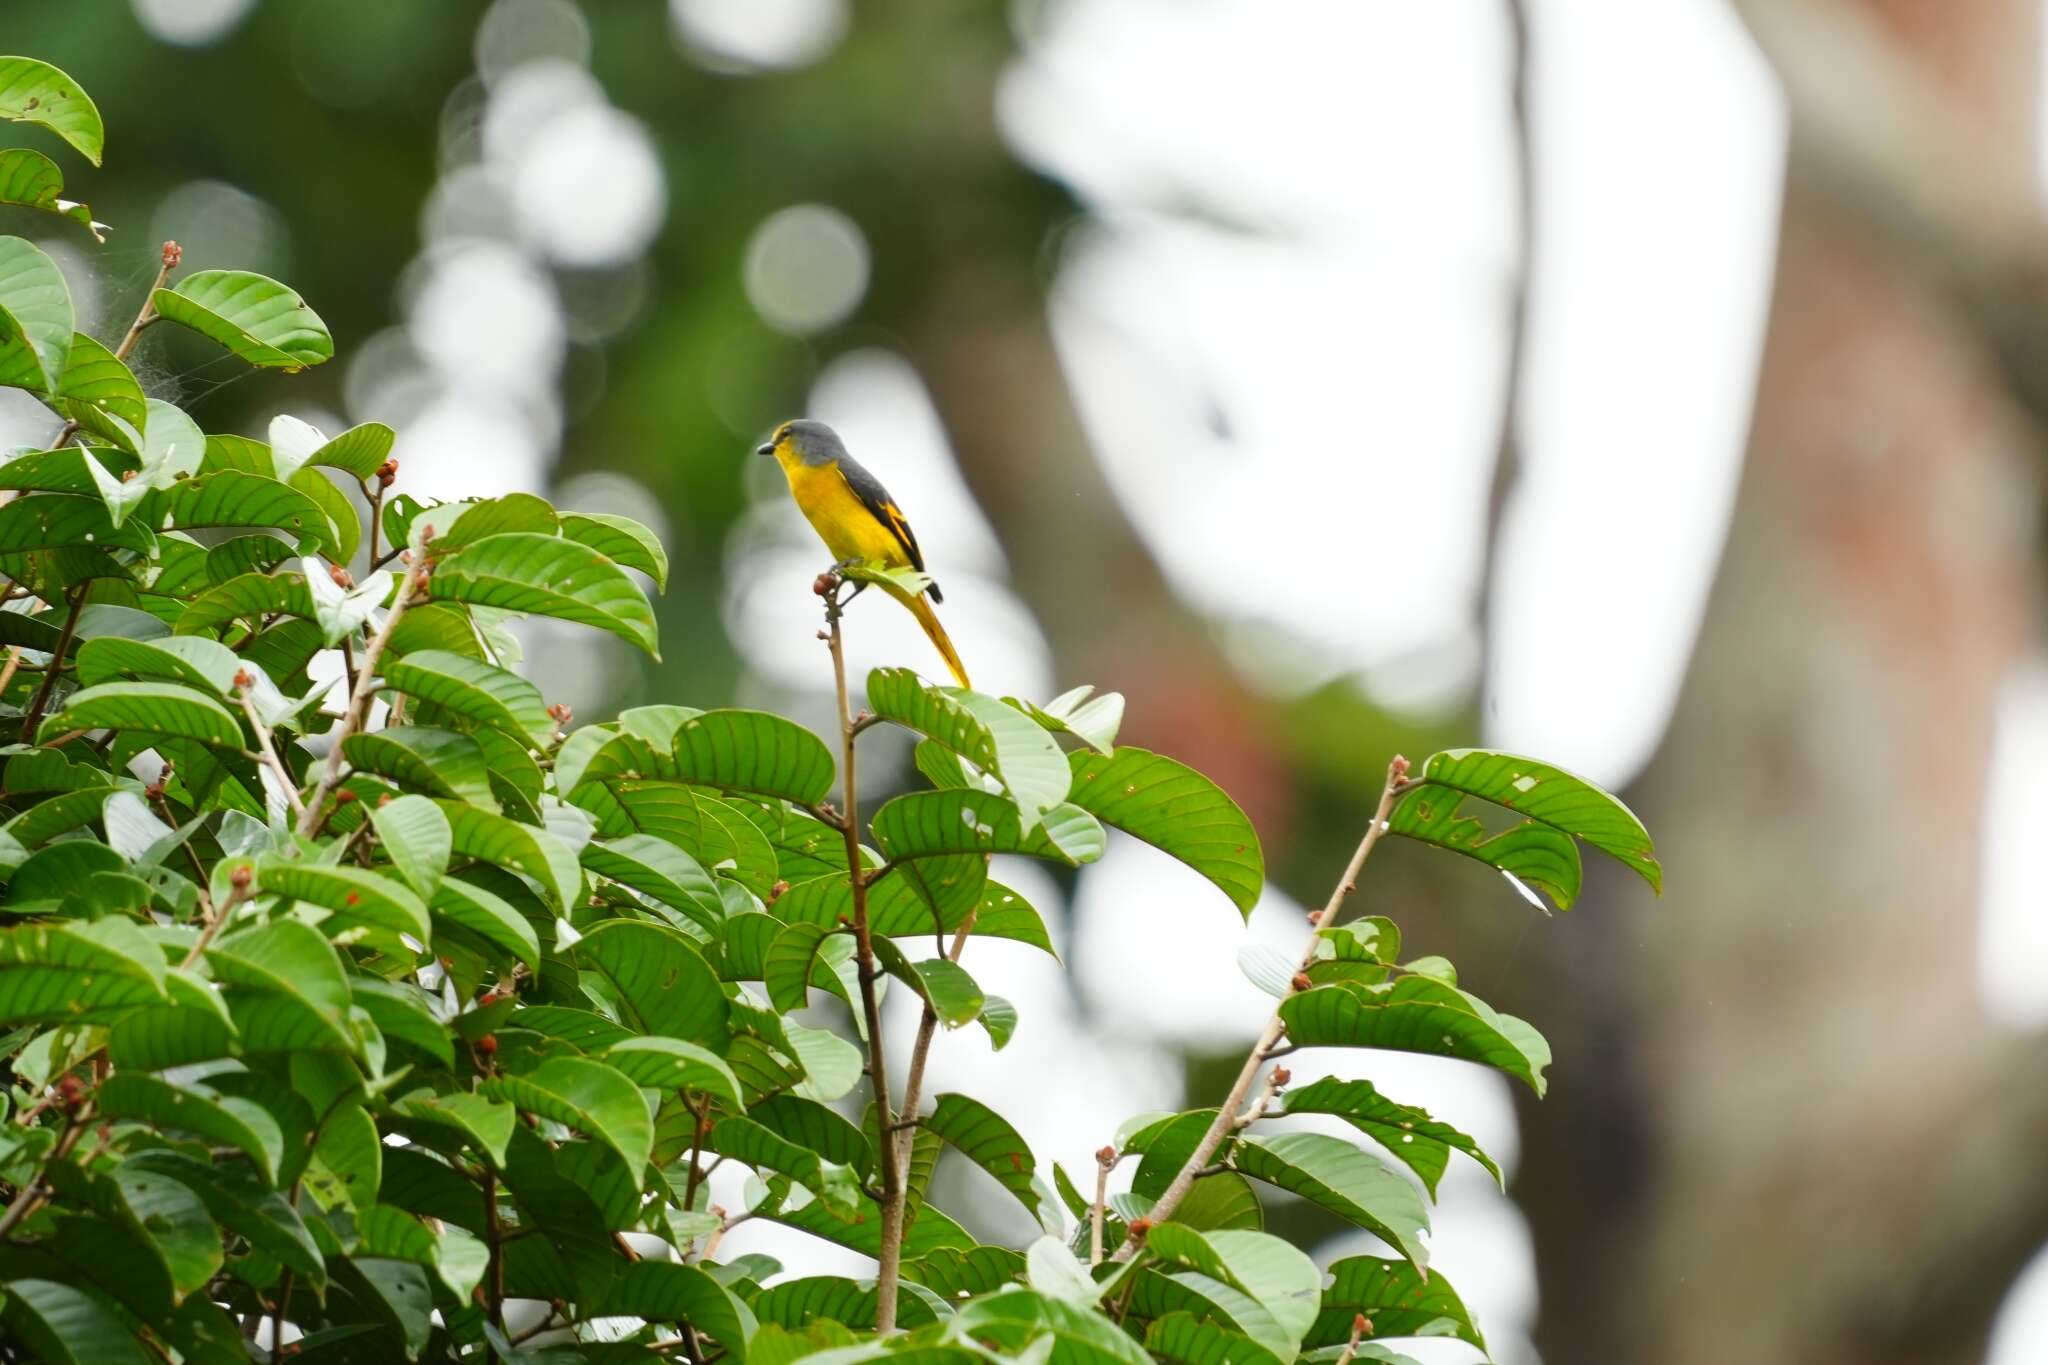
358 1014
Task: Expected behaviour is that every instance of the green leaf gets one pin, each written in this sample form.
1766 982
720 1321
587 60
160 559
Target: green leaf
415 835
992 736
395 1294
547 576
589 1097
1092 720
1177 810
765 1150
1347 1181
252 315
233 498
353 893
485 1122
1283 1281
36 92
987 1139
1417 1014
944 985
403 1013
671 1064
959 821
159 707
1400 1300
786 968
659 870
51 521
662 1291
77 970
197 1109
488 916
621 540
663 982
62 1325
192 660
999 1017
35 310
96 386
1531 853
1417 1140
287 989
753 751
492 839
443 763
31 180
475 690
980 1270
1181 1338
240 1201
360 451
1550 796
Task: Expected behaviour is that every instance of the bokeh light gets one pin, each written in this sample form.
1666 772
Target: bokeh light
807 268
190 23
758 35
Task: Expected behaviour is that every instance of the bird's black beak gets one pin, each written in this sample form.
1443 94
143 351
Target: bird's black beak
767 448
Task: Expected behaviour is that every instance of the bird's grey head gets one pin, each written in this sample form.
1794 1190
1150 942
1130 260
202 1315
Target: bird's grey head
812 442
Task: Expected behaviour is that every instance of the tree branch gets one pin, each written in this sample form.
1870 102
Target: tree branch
360 696
1233 1114
891 1257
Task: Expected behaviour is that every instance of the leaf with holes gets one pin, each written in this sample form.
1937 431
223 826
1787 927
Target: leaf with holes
944 986
36 92
1417 1014
253 316
923 824
1549 796
1177 810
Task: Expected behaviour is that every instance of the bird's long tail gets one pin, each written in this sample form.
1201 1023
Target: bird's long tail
929 619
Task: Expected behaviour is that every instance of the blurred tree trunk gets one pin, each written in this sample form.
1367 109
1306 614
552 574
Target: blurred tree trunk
1781 1128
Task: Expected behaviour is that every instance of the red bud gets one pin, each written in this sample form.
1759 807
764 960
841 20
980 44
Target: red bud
1106 1156
173 255
241 877
342 578
487 1044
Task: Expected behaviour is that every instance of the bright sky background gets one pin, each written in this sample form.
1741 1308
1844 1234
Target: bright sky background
1358 241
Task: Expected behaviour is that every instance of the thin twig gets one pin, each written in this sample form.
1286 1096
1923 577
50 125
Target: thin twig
891 1249
172 255
913 1085
30 1196
7 669
239 883
494 1239
360 697
267 743
1229 1115
34 717
1105 1162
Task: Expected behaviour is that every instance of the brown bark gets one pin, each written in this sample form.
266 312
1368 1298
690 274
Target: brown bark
1834 1162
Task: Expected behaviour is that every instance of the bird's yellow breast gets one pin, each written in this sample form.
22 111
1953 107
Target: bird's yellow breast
840 518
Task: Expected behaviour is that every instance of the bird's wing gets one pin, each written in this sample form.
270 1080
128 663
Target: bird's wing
876 499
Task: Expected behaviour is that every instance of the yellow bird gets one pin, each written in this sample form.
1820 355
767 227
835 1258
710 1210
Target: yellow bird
855 517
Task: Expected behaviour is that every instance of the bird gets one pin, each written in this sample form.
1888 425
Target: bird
856 518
